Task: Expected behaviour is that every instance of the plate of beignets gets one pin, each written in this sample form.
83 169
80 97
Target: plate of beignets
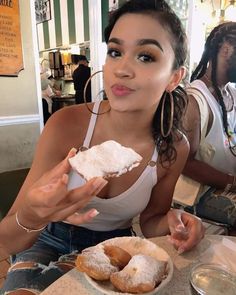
126 265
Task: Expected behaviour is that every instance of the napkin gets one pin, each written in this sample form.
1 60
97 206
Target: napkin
223 253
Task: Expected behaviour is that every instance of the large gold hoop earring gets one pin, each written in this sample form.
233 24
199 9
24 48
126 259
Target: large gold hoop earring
84 94
167 133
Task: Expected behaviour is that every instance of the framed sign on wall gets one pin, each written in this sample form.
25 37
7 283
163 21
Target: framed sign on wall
11 59
42 10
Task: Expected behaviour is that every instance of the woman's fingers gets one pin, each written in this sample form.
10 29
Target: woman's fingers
55 191
79 218
176 225
179 232
50 194
50 200
53 202
72 153
196 232
90 189
193 227
57 172
78 198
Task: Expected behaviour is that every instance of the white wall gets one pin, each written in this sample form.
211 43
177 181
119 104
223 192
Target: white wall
19 109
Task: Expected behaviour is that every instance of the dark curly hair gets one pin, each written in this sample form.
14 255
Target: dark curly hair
220 34
161 11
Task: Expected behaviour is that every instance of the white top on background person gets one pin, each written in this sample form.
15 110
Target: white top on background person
212 76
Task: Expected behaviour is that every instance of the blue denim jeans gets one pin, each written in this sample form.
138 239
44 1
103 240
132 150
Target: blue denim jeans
52 255
219 208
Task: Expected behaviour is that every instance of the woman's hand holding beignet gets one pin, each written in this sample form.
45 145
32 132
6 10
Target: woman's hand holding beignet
49 200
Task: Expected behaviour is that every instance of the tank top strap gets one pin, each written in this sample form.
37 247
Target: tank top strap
91 126
154 158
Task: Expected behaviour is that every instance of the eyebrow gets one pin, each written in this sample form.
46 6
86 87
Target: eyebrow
140 42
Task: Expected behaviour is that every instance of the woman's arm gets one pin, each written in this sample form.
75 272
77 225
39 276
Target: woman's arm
195 169
44 196
153 220
158 219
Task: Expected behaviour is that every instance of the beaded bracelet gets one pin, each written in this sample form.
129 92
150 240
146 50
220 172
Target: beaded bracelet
28 230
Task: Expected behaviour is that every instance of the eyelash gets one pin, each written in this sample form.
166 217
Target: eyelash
110 52
148 57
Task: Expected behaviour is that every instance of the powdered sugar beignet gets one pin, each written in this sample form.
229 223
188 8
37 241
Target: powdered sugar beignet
118 256
95 263
140 275
108 159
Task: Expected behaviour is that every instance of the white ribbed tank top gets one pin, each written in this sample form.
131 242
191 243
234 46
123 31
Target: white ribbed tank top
117 212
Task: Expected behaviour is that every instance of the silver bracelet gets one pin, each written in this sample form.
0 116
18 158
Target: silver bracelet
28 230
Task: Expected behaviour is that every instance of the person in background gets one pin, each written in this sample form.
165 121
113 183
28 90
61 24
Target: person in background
50 88
47 94
212 161
80 76
55 85
146 51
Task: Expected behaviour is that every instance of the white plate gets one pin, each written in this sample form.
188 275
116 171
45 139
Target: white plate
135 245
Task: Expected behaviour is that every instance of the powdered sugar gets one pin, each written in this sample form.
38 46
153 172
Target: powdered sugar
135 246
142 269
97 259
107 159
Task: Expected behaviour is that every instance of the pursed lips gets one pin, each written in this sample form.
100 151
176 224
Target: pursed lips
121 90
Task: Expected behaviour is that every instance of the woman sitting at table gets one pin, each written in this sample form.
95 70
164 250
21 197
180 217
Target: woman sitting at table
143 69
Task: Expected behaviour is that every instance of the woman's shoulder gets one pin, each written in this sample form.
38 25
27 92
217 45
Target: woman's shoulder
72 116
181 147
68 126
181 144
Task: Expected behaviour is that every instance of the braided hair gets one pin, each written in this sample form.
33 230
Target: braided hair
161 11
220 34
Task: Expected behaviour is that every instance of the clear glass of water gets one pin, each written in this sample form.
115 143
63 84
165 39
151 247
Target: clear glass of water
212 279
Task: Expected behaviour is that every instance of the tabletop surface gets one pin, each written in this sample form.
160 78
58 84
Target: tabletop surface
74 282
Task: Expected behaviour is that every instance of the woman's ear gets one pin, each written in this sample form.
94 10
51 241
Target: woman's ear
176 78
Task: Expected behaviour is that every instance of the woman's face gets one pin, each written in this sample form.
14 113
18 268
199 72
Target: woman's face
139 63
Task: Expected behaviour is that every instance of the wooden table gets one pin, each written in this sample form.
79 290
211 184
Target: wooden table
74 282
